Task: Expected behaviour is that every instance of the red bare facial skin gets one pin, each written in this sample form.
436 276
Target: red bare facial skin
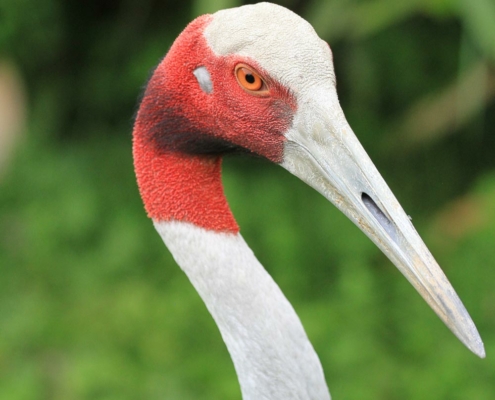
181 132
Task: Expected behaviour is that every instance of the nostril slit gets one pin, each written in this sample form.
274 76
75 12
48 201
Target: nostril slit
380 216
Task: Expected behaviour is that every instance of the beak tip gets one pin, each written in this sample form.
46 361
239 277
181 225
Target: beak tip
479 349
474 343
467 333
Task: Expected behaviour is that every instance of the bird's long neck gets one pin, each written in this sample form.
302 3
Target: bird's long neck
183 194
273 357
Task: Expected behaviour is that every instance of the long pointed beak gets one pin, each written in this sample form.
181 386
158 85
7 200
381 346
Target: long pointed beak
322 150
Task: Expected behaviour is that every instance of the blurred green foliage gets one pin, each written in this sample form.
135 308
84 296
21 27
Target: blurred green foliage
92 306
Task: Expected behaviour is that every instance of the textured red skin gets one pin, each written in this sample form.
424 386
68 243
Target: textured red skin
178 186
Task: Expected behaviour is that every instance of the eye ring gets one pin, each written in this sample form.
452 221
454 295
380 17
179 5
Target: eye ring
249 80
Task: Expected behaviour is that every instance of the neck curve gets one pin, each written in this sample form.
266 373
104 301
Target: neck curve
272 355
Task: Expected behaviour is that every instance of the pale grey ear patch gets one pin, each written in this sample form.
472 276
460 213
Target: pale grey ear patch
204 79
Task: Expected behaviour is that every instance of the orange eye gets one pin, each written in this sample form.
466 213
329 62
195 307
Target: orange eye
249 80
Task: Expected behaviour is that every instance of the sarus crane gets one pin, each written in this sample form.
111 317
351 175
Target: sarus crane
258 80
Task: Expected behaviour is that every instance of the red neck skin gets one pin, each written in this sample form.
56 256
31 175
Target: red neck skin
181 187
181 132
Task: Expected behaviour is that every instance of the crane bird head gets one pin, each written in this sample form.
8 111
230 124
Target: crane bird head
257 79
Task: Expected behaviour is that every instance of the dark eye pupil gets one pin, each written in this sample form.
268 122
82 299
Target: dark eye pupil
250 78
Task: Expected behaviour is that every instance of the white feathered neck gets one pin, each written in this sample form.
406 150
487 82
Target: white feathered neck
272 355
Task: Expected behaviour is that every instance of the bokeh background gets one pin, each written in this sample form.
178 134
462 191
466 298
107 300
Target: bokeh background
92 306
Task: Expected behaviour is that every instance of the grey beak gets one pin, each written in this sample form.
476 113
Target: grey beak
322 150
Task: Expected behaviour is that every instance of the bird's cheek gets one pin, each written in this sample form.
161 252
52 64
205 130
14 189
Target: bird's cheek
258 126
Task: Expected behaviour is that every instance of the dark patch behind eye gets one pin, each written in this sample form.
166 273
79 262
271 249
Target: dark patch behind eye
192 142
175 133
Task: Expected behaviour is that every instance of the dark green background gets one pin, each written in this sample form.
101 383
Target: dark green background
92 305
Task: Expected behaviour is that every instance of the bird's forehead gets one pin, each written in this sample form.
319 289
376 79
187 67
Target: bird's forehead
281 42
